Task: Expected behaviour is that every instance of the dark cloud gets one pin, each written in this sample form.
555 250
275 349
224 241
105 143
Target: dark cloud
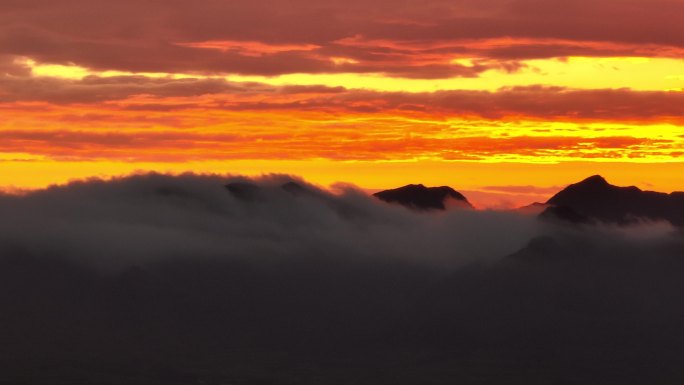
146 35
92 89
540 101
532 102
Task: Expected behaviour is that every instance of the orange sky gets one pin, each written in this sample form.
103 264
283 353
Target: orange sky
507 101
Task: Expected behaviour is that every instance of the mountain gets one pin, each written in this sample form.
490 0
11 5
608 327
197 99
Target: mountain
594 197
417 196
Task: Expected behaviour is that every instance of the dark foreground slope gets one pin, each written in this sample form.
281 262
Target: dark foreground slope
572 313
575 305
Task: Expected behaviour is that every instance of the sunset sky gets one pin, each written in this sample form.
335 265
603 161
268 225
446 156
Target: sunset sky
505 100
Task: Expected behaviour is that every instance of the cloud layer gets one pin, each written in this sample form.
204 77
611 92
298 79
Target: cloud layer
145 218
165 280
413 39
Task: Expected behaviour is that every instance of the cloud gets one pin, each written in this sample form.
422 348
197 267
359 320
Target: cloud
524 189
10 66
94 89
543 102
123 117
147 217
536 102
267 38
179 145
510 197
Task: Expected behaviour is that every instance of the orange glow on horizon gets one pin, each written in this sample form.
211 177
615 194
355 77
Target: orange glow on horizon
538 121
487 185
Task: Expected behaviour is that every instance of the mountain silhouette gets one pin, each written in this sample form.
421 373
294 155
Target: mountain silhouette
595 198
417 196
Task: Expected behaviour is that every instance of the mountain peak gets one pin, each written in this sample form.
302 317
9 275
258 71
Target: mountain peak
595 198
591 188
597 180
418 196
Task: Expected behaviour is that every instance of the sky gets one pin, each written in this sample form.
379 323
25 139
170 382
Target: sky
506 101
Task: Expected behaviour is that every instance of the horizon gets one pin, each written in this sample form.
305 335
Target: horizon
487 198
508 197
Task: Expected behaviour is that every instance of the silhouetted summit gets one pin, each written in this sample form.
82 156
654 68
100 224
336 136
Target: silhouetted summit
596 198
417 196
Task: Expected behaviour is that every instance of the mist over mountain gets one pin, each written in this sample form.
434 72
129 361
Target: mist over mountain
195 279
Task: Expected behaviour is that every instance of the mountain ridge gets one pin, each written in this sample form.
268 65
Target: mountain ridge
594 197
420 197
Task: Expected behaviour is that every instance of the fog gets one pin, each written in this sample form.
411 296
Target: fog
145 218
211 279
